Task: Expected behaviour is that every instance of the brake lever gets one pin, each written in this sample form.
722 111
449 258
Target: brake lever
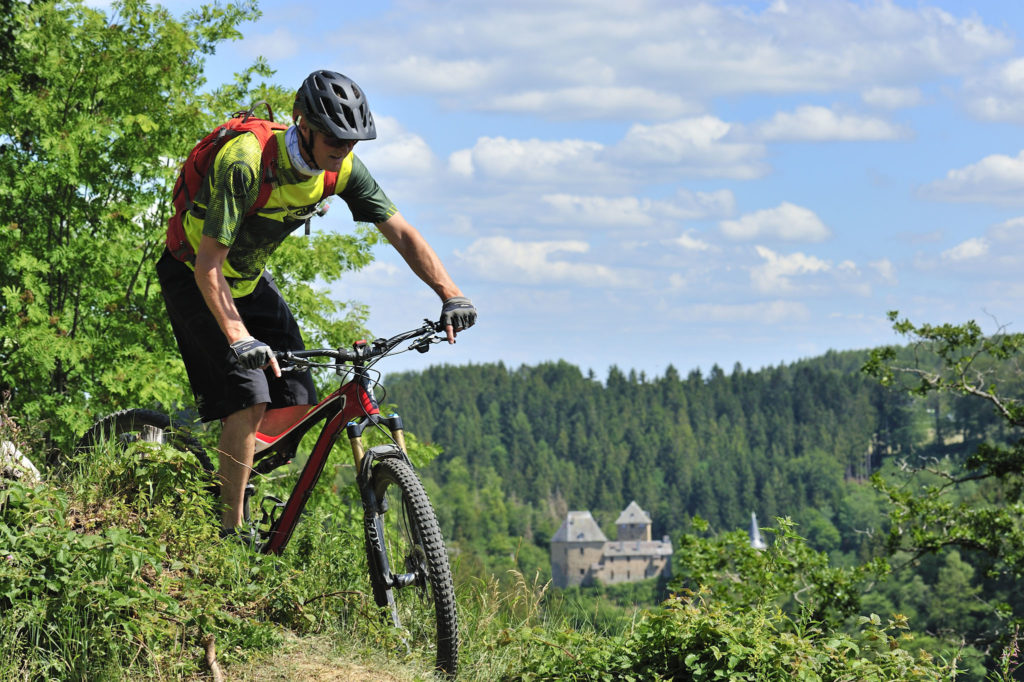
422 345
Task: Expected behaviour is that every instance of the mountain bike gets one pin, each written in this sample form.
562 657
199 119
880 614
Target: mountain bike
408 565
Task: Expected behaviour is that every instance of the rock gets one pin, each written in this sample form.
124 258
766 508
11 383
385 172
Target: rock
14 464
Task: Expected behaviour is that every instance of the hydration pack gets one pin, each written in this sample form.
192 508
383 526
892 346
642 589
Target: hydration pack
200 161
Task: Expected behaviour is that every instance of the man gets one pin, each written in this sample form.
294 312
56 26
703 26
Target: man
227 313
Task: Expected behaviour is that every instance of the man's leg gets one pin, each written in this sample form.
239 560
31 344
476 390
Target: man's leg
237 442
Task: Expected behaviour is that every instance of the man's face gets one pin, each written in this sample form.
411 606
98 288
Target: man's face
328 152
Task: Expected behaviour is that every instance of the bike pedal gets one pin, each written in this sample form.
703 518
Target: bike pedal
270 514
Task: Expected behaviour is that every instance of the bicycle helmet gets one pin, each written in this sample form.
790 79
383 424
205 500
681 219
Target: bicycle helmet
334 105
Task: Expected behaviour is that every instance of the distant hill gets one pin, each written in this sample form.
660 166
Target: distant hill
779 441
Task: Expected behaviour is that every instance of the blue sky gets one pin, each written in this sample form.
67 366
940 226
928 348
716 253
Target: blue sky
646 182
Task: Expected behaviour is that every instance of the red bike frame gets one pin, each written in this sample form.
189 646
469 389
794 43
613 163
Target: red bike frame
351 406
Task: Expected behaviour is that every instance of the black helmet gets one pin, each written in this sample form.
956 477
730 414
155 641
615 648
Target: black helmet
336 106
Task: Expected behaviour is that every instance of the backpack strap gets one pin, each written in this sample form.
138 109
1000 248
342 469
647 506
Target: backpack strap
330 183
269 179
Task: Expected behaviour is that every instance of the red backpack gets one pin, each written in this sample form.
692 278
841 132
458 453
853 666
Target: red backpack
200 160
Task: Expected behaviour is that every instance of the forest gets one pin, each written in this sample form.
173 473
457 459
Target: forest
807 442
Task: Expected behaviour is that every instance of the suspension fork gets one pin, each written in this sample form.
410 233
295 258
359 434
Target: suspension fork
373 507
393 422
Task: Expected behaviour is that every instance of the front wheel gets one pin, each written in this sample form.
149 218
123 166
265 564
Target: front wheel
409 565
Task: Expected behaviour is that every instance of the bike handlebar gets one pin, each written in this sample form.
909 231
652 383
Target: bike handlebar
362 352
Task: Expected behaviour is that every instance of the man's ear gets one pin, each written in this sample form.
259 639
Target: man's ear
296 116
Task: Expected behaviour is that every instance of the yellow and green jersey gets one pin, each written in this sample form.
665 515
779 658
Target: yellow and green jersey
232 187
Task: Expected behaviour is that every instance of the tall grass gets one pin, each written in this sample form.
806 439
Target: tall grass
115 570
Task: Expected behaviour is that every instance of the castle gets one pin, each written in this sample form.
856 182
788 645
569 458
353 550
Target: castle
581 554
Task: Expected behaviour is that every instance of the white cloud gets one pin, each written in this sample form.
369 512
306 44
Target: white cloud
999 94
504 260
892 97
461 163
396 150
526 160
995 179
280 44
997 107
1009 231
437 75
775 275
821 124
885 269
762 312
596 101
601 211
695 145
973 248
690 243
786 221
533 56
678 282
632 212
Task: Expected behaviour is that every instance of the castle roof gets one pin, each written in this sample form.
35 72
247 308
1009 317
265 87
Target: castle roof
633 514
579 526
636 548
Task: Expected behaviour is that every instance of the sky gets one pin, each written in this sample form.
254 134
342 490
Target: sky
642 183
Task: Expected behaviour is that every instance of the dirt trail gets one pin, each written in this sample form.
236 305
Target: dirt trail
305 660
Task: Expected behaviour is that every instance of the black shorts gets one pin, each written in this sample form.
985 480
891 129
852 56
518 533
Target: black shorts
220 385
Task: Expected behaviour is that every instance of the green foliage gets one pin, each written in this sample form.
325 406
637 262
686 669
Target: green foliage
788 574
325 257
962 503
118 573
750 616
693 639
87 161
84 190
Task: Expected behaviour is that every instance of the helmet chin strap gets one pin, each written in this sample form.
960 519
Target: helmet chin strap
307 146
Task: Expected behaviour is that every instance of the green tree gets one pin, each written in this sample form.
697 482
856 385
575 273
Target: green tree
98 110
975 504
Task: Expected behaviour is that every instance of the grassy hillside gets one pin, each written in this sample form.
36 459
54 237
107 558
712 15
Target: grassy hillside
113 570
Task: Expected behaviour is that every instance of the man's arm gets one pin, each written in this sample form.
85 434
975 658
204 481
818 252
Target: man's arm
421 258
212 284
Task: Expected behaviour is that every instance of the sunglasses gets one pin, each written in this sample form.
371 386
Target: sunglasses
336 143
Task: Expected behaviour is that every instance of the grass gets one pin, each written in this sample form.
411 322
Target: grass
113 569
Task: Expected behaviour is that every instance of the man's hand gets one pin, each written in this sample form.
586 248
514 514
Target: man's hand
253 354
457 313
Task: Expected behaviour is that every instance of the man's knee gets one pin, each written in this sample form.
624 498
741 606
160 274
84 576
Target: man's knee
247 418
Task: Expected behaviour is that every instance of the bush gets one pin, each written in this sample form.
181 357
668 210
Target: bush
742 614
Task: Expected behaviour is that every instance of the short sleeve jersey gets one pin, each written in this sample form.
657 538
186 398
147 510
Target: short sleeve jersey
232 187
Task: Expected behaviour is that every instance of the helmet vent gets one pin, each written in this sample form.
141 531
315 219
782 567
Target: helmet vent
340 91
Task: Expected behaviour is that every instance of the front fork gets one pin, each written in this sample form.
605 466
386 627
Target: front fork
373 508
355 437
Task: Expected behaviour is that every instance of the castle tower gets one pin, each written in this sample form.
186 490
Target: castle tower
576 550
634 524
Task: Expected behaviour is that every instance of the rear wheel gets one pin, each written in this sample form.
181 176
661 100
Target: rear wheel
409 565
129 426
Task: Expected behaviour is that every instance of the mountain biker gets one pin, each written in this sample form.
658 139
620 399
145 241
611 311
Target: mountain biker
225 309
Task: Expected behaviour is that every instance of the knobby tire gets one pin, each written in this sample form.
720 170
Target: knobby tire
425 609
142 425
